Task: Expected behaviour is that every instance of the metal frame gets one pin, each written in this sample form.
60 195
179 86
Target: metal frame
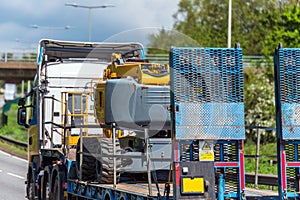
207 98
225 165
287 76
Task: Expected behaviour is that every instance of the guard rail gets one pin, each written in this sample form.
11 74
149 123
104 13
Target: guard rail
248 61
13 142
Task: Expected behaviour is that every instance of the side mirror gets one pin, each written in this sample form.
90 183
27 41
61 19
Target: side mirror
22 117
21 102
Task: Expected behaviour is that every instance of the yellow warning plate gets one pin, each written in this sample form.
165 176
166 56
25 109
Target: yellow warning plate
206 156
206 151
192 185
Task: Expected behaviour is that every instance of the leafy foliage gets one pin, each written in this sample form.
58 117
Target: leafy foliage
259 100
206 21
11 130
267 153
161 42
285 29
257 25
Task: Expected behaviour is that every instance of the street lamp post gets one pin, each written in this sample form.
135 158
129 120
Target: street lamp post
51 29
229 24
90 11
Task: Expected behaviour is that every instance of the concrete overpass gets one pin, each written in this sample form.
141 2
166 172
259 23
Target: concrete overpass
17 70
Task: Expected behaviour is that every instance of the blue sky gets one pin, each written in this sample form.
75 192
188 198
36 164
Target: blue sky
129 20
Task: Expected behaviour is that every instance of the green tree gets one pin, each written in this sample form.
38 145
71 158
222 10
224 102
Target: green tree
258 26
206 21
198 20
285 29
161 42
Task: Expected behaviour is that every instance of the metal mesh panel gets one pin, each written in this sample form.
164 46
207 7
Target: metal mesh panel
288 71
231 185
289 62
291 179
189 151
231 179
207 86
292 154
226 152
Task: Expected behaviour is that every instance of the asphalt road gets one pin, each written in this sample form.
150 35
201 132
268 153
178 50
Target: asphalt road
12 177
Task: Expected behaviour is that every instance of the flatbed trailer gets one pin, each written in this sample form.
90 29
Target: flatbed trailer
207 112
121 191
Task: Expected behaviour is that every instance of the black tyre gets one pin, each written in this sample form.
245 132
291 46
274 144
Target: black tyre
30 187
45 188
105 170
39 195
88 168
57 189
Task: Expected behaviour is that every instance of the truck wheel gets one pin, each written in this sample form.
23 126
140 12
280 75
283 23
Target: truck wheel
90 145
39 188
45 190
30 187
57 190
104 164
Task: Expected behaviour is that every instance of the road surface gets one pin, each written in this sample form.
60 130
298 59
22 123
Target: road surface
12 177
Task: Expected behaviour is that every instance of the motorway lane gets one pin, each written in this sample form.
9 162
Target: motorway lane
12 177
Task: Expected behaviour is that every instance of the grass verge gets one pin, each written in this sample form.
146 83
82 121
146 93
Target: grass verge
13 150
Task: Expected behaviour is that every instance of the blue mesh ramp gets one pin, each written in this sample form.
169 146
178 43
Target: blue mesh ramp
287 72
207 93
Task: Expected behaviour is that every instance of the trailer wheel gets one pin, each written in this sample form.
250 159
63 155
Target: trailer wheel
104 164
90 145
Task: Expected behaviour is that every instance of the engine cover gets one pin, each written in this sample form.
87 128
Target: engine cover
135 106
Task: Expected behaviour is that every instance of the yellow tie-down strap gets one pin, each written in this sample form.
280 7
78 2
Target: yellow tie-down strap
192 185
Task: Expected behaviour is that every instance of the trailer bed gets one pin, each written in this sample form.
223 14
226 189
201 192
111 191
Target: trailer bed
120 191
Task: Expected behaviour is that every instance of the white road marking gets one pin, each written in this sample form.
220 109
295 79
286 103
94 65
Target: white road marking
4 153
7 154
15 175
0 170
21 159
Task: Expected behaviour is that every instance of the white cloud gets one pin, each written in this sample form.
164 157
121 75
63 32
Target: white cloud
16 16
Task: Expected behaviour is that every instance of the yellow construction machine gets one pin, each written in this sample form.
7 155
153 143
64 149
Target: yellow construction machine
133 97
